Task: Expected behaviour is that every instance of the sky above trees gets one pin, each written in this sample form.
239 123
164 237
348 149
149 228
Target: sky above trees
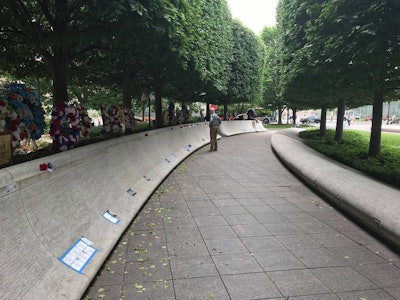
254 14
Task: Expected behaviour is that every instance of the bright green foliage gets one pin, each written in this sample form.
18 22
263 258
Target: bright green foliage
211 44
49 37
247 66
301 82
341 50
271 69
206 50
362 35
365 32
272 97
174 48
153 48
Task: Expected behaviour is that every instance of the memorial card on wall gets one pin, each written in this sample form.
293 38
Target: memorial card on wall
79 255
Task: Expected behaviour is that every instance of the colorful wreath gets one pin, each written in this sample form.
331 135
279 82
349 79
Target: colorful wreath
5 110
65 126
115 116
21 112
86 121
129 118
111 118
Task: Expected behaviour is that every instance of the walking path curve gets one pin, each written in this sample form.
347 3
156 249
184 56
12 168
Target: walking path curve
237 224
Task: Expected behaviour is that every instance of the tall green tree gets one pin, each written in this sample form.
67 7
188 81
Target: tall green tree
272 72
208 50
148 48
245 84
215 39
321 41
365 35
301 85
173 54
51 36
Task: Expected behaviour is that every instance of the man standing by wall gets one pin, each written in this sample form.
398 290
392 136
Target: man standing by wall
214 123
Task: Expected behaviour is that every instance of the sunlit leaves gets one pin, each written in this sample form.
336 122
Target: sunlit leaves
247 65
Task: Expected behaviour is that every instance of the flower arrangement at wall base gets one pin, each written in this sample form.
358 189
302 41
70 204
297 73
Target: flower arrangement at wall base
115 117
129 119
86 121
68 123
21 113
111 118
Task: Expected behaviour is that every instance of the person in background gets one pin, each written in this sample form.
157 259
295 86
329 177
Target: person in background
185 113
171 112
178 116
348 119
214 123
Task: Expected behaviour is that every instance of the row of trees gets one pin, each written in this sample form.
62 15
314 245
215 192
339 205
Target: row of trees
334 54
322 54
173 48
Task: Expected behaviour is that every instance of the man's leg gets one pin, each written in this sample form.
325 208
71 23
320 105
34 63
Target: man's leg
215 139
211 139
213 133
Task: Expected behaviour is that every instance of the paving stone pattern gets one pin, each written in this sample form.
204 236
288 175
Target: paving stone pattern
236 224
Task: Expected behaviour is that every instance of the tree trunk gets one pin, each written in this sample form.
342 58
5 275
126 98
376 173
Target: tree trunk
280 110
377 111
158 103
339 120
225 109
60 81
294 116
60 57
126 90
322 127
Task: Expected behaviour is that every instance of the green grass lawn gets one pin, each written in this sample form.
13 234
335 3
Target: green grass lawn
388 139
353 151
277 126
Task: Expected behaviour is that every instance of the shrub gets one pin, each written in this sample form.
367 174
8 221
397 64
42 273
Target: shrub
353 151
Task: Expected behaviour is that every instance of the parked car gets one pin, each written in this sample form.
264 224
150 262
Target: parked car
264 119
241 117
310 119
251 115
